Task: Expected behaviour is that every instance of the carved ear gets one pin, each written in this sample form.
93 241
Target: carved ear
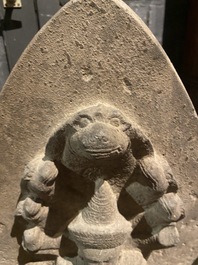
56 144
141 146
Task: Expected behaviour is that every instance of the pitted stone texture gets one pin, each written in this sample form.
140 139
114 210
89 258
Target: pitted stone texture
100 145
95 51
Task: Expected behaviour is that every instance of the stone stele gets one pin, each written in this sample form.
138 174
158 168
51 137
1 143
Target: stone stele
99 157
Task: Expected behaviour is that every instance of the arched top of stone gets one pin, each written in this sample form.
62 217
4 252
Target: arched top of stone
94 51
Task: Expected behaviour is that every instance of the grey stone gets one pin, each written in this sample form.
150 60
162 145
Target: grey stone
156 20
4 71
96 115
152 13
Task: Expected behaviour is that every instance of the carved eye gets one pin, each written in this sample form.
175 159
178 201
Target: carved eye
84 122
115 122
99 116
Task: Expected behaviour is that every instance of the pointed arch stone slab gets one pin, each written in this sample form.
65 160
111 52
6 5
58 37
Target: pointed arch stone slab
96 51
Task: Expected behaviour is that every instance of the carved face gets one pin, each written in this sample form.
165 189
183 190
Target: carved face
97 133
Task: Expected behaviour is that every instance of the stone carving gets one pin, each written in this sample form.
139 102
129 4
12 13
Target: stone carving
100 231
37 187
99 146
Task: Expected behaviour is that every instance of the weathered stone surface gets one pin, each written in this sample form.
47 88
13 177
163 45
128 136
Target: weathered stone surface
99 145
95 52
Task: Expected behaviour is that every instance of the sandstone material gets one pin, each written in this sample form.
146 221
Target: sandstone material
96 69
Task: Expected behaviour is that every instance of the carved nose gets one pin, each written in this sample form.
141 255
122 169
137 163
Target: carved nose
96 140
101 139
99 136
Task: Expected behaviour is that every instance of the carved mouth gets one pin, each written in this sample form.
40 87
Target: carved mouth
104 153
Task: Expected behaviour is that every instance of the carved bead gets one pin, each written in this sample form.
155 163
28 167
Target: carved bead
34 212
39 177
32 239
31 209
